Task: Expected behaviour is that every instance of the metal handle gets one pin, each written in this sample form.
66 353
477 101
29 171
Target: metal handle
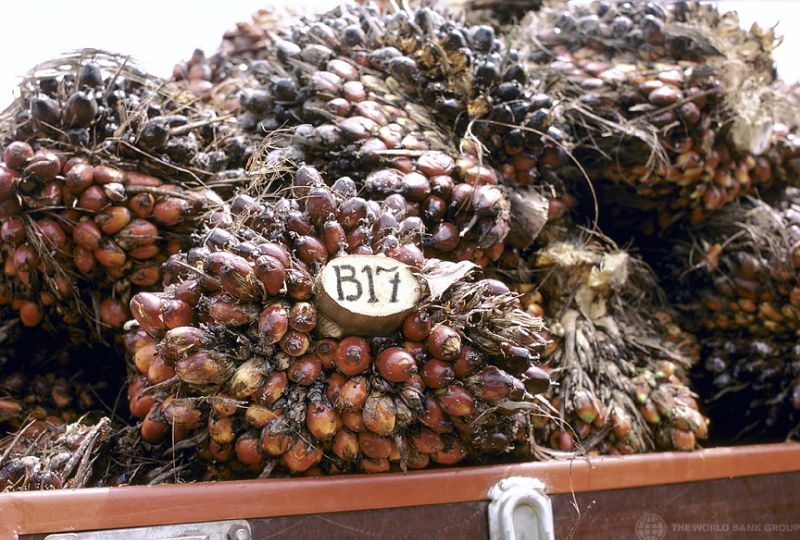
520 510
238 529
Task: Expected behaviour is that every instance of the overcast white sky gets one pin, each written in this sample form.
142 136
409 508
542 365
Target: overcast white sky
160 33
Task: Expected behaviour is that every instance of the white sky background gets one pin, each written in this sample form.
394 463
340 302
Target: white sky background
157 34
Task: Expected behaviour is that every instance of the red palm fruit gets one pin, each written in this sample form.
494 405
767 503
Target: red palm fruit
145 275
143 253
12 231
158 371
514 359
353 420
25 258
445 237
561 440
322 421
295 343
141 205
137 233
92 199
320 205
272 273
180 341
417 350
247 379
276 251
170 211
468 362
352 355
204 367
181 413
536 380
373 466
302 317
274 387
30 314
345 444
274 443
453 453
374 446
491 384
433 416
227 311
649 412
586 405
325 349
334 237
9 179
147 308
52 234
273 323
444 342
189 291
380 413
682 439
144 356
221 429
352 394
456 400
417 325
139 404
417 460
395 364
154 427
87 235
109 254
105 174
177 313
224 405
258 416
305 370
112 219
301 456
310 249
17 154
333 385
248 448
437 374
239 279
299 283
220 453
44 165
426 441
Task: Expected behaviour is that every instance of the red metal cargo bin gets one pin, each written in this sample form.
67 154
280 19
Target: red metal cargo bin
747 491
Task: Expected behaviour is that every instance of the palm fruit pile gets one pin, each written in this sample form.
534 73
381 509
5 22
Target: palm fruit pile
104 170
360 91
618 357
50 380
735 280
671 106
234 355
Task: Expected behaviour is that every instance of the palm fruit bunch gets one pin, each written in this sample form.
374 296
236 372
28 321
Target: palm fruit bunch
56 456
104 170
237 356
380 97
735 280
674 108
618 358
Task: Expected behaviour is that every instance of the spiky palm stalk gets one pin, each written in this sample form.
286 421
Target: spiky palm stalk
618 358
